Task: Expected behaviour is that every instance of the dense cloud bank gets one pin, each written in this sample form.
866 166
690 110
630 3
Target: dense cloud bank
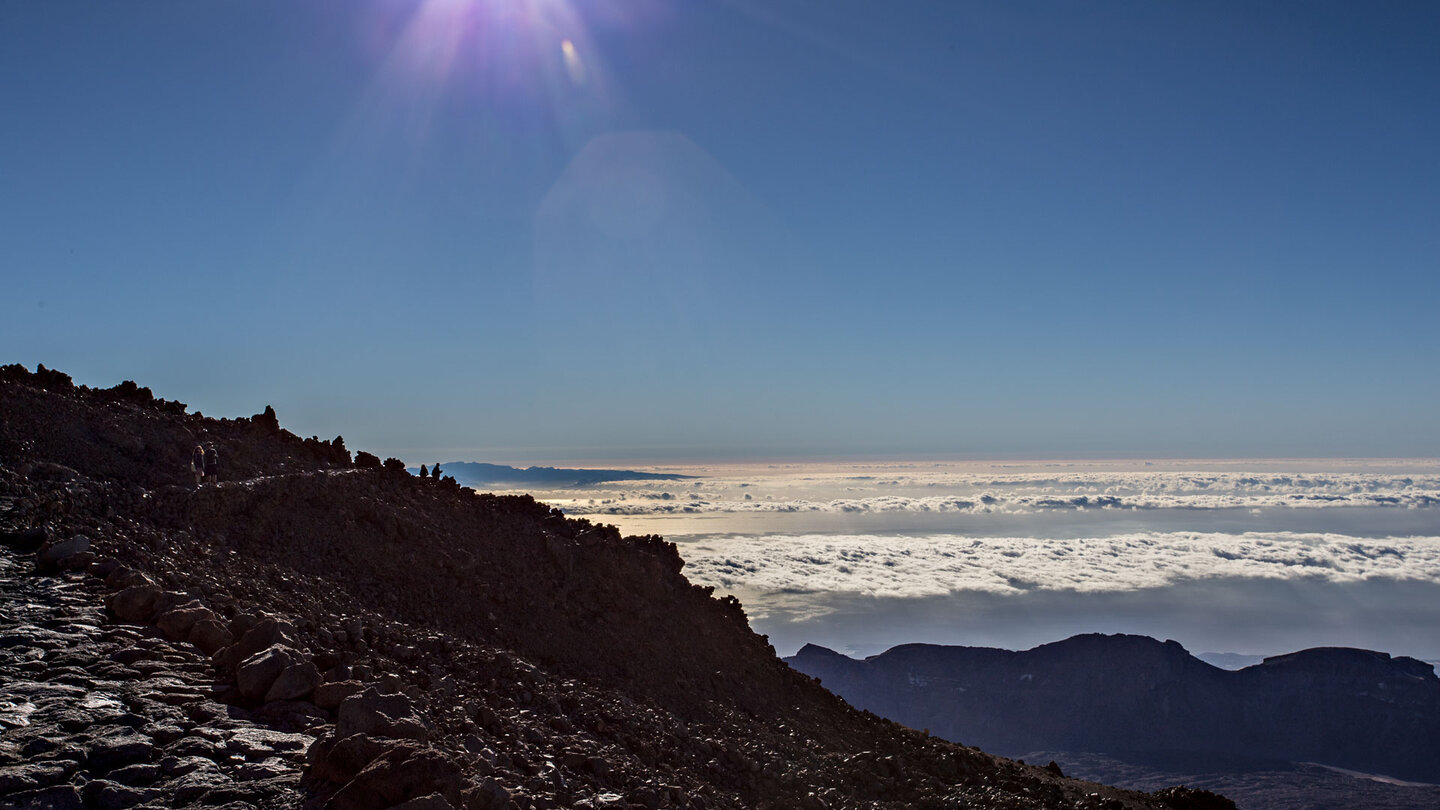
1262 556
976 494
916 566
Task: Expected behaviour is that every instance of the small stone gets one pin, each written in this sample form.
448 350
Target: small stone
261 743
177 623
402 774
175 766
103 568
373 713
257 673
205 712
271 768
59 797
134 604
210 635
35 775
264 634
194 747
188 788
339 760
296 682
94 709
123 577
139 775
117 750
487 794
56 554
331 695
103 794
37 746
130 656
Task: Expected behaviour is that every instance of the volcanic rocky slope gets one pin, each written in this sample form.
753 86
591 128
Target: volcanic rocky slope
314 631
1348 708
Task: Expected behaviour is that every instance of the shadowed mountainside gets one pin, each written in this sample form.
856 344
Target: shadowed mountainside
403 641
1346 708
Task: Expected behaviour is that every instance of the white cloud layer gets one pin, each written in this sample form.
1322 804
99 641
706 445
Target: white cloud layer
1262 556
922 566
981 494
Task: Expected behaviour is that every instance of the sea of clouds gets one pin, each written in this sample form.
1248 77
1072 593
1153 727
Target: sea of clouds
932 565
1251 556
917 531
1022 493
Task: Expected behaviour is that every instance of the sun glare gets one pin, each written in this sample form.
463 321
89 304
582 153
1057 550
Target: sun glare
502 44
514 64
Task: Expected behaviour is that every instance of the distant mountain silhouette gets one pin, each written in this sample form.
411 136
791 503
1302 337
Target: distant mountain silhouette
1347 708
476 474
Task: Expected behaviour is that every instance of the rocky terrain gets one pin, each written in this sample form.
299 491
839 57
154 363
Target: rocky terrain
134 714
322 630
1139 699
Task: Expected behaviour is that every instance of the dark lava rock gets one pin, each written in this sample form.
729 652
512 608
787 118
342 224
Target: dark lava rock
370 712
134 604
399 775
118 749
59 797
257 673
32 776
103 794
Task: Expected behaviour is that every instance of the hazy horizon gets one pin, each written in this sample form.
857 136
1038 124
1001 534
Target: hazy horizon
650 464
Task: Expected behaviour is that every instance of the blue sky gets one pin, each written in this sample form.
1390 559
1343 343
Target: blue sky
737 229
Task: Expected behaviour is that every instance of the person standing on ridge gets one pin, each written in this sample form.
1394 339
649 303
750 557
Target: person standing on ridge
197 463
212 464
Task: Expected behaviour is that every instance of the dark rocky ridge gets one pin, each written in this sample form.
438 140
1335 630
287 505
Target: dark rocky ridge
443 648
1347 708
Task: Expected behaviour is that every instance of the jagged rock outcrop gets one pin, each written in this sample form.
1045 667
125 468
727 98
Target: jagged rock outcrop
309 633
1348 708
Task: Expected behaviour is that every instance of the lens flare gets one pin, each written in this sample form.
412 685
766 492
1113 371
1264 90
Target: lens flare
573 66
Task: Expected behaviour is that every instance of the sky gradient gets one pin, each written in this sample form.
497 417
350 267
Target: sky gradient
586 231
